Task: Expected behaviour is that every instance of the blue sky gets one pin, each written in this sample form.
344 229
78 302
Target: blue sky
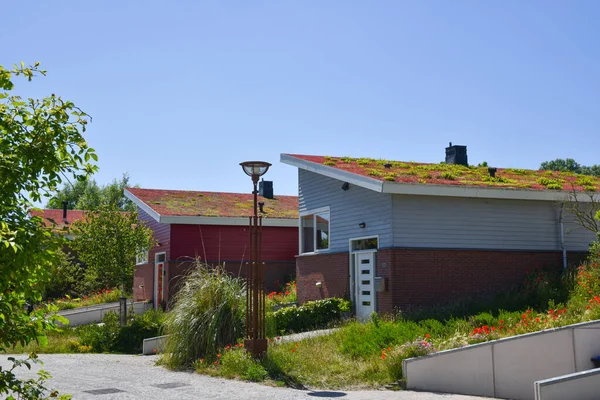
181 92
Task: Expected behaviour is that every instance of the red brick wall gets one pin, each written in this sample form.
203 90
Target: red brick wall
143 282
422 277
427 277
329 269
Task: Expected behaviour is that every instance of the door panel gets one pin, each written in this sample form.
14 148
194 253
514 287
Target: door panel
365 293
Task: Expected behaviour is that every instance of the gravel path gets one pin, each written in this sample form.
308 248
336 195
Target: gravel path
108 376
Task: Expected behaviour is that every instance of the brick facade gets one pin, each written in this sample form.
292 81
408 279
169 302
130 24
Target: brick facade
418 277
329 269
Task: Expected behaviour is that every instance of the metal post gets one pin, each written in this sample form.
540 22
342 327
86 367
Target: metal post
256 342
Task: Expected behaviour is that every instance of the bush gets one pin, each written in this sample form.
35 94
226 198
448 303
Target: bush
111 337
103 337
208 312
309 316
65 279
138 328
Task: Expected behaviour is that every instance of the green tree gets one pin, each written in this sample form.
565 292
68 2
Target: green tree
107 241
87 195
41 142
568 164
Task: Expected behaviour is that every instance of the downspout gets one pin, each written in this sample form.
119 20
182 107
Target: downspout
562 235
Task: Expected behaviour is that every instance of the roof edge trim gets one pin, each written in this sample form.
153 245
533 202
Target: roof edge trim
235 221
147 209
481 192
344 176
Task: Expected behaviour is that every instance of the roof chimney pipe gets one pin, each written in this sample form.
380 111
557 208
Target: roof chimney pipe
261 204
456 155
65 204
265 189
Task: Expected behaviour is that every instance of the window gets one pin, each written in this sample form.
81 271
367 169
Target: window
141 257
314 231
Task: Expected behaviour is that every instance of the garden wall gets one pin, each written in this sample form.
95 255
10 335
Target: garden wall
506 368
583 385
88 315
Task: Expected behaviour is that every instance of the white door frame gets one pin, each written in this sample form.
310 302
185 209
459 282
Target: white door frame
353 268
164 263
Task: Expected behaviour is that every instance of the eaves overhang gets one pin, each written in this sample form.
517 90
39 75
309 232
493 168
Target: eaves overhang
438 190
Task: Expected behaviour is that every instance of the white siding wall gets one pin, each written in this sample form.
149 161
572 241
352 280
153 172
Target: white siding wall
347 209
466 223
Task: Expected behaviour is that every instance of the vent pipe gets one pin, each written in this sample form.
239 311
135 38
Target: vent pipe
265 189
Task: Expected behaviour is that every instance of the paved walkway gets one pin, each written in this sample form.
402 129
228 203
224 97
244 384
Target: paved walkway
108 376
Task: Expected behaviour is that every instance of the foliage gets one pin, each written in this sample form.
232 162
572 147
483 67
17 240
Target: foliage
27 388
570 165
111 337
41 142
107 241
102 296
235 362
286 295
311 315
87 195
208 312
66 278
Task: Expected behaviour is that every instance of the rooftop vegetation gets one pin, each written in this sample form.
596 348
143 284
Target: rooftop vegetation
450 174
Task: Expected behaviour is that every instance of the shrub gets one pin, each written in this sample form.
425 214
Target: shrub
110 336
65 279
138 328
102 337
208 312
311 315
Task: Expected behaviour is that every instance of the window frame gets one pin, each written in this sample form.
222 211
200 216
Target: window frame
139 260
314 212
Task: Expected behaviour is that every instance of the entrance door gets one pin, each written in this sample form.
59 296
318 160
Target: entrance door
159 279
365 288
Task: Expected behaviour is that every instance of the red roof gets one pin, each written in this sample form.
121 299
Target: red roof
452 174
57 216
214 204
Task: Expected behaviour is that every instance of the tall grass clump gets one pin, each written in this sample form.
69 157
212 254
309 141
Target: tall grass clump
208 313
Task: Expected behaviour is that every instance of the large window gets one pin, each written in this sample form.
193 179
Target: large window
314 231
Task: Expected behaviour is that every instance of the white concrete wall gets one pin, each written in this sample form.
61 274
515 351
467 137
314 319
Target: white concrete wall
154 345
583 385
507 368
88 315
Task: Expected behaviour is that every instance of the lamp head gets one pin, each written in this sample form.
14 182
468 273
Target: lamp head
255 169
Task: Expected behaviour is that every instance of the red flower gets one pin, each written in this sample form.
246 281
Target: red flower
427 335
219 355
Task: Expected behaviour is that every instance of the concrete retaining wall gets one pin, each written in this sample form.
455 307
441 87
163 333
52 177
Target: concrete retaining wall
154 345
583 385
507 368
88 315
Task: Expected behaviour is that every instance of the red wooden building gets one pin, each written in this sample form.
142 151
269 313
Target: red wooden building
213 227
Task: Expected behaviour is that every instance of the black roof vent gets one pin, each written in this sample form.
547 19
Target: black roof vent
261 204
492 172
265 189
456 155
387 165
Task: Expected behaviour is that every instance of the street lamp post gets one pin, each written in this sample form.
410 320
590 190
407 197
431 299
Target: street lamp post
256 340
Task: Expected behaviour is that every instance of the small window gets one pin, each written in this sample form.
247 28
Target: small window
141 257
314 232
365 244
